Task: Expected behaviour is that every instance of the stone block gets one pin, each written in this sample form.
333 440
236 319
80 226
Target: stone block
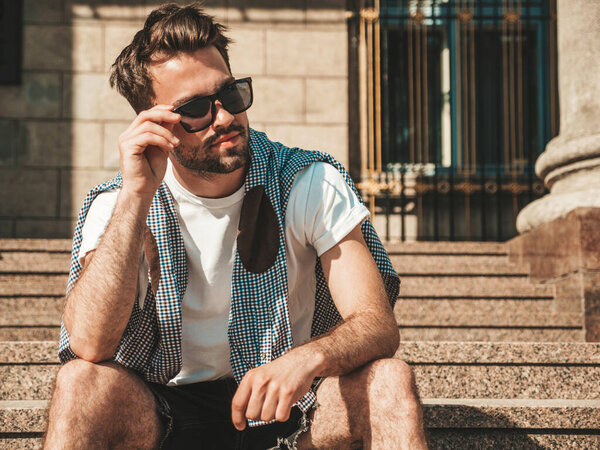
112 131
247 52
87 48
116 38
215 8
277 100
39 95
327 100
319 11
44 228
562 246
11 142
47 11
308 52
61 144
86 144
105 10
28 192
89 96
266 11
7 228
47 47
74 186
332 139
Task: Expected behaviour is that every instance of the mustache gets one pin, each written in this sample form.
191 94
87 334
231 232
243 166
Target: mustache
230 129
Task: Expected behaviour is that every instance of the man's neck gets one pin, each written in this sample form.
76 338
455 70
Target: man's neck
211 185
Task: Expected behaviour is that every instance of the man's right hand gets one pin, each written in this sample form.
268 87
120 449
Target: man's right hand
144 147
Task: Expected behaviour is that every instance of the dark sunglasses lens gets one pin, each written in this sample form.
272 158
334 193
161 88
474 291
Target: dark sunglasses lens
237 97
196 114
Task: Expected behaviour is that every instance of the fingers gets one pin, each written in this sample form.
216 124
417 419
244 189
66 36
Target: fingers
137 144
259 399
157 114
269 406
239 403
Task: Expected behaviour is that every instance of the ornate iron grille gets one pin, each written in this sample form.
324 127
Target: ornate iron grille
459 98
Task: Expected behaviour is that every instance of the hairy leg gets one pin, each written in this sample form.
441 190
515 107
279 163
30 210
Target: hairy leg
373 407
101 405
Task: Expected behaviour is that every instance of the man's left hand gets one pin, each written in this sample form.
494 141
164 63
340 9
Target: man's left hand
268 392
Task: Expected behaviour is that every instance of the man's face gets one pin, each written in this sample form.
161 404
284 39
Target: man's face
223 146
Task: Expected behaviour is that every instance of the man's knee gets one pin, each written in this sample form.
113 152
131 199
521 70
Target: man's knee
106 383
393 381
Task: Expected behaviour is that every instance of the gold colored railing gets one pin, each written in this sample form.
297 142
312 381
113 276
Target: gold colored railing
374 180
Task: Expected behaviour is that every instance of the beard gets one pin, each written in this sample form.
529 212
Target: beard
205 161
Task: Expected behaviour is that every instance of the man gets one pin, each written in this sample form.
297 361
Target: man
203 274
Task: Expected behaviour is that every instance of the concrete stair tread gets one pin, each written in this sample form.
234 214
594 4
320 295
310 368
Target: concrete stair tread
424 352
28 416
445 247
414 352
29 333
59 245
512 413
34 262
456 264
492 334
501 318
477 286
19 311
30 285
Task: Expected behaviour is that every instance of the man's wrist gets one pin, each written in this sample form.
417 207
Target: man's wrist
312 359
134 203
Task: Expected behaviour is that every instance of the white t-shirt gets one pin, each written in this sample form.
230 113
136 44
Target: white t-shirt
321 211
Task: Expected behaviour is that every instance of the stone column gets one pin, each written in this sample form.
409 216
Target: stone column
570 165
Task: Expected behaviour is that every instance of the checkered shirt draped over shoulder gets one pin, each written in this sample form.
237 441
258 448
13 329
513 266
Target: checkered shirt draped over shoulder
259 326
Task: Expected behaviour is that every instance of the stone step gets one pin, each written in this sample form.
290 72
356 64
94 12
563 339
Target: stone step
476 286
26 311
32 285
44 245
29 333
439 286
477 313
59 262
34 262
492 334
446 248
456 264
442 369
504 370
483 423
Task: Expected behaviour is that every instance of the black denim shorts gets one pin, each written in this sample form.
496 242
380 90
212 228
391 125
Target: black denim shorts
198 416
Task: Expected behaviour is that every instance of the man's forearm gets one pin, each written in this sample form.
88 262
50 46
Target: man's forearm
361 338
100 304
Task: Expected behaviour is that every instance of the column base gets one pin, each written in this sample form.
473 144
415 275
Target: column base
565 253
555 206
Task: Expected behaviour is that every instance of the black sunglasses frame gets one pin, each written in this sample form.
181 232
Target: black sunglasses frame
213 98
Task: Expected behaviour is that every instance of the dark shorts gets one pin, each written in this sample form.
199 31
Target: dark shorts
198 416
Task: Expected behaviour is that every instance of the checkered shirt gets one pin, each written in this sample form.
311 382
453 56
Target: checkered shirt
259 326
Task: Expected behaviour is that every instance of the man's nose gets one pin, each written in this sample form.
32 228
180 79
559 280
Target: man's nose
222 117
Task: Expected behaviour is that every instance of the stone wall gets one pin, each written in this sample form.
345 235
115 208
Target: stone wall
59 128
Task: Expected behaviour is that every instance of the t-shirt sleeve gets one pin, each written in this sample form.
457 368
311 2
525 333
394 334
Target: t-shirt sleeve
96 221
322 208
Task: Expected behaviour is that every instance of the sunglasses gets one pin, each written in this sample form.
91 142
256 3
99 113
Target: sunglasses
200 112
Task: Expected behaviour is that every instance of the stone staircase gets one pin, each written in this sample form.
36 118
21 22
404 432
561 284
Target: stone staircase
498 364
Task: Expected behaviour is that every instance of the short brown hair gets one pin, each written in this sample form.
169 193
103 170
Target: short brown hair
168 30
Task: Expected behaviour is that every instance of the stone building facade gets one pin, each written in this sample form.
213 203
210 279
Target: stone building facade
59 127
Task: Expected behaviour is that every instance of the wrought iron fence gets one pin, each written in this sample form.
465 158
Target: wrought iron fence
458 98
